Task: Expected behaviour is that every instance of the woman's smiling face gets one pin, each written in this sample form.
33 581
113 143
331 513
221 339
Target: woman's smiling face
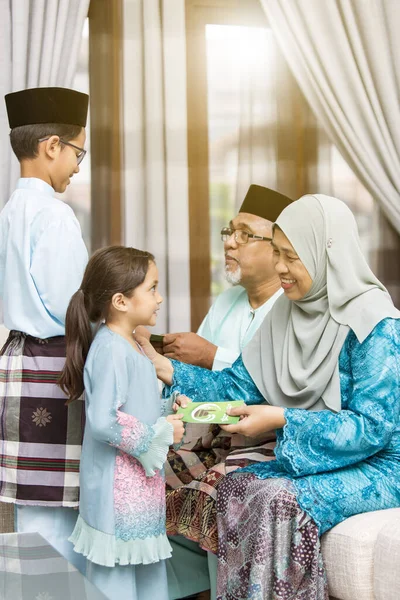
295 279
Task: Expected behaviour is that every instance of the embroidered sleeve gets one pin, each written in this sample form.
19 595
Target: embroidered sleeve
314 442
202 385
109 388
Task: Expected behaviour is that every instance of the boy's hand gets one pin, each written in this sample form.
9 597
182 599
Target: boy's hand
179 429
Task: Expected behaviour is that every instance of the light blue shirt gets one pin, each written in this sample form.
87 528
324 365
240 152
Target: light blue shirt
231 323
42 259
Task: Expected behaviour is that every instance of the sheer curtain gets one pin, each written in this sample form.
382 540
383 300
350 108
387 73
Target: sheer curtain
262 130
277 133
155 142
345 55
39 45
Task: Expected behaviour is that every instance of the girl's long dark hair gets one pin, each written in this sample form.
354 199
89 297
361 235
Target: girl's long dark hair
111 270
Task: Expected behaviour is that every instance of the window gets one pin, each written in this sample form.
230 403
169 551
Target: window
248 122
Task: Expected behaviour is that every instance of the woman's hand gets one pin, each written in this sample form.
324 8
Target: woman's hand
255 420
162 364
179 429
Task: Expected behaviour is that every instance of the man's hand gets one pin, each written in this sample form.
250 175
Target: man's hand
255 420
190 348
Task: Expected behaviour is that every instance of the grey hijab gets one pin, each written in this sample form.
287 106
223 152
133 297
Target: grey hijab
293 358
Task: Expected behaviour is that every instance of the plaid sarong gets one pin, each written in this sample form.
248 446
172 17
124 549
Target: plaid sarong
40 437
194 473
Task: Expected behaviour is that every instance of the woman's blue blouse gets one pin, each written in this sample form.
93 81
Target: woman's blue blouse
341 463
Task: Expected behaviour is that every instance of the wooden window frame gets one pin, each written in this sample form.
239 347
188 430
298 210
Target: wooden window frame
200 13
105 81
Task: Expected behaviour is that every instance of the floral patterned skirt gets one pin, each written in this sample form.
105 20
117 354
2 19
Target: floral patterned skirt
269 548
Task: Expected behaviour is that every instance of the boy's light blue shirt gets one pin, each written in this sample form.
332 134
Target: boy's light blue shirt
42 259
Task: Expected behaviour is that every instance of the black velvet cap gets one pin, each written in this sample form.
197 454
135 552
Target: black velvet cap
47 105
265 203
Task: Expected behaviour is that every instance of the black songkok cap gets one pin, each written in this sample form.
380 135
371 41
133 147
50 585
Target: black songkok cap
265 203
47 105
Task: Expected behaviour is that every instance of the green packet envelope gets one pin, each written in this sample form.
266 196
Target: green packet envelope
209 412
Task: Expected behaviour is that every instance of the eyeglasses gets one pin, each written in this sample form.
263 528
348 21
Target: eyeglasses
241 236
81 154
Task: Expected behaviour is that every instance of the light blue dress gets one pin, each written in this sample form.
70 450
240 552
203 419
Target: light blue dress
340 463
121 524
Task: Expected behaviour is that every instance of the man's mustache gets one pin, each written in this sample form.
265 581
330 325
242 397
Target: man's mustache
233 258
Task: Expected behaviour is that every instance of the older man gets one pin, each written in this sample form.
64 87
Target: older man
238 312
194 472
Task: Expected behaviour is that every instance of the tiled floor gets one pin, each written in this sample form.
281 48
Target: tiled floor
31 568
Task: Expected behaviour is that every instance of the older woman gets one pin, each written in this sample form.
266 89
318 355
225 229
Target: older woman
327 362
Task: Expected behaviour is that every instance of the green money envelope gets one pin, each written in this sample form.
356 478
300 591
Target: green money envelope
209 412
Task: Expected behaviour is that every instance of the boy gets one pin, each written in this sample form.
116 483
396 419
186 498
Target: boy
42 259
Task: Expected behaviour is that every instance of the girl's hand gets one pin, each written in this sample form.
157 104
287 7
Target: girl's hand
179 429
162 364
142 331
255 420
144 341
181 401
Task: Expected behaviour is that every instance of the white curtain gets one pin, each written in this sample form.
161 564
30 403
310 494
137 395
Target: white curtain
345 55
39 45
155 141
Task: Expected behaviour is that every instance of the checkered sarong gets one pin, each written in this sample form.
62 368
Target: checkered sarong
40 437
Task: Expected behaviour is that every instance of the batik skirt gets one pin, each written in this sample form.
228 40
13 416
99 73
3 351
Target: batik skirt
194 473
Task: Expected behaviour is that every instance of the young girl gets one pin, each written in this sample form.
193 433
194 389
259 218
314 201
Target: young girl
121 526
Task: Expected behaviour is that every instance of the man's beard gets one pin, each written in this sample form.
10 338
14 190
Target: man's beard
233 277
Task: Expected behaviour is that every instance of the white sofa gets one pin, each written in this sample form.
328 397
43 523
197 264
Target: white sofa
362 557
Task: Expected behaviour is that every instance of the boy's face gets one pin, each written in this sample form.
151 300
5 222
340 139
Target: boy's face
65 164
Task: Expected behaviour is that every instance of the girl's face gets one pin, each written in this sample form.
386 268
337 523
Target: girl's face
145 302
295 279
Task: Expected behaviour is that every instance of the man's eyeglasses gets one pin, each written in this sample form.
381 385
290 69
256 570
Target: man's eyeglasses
81 152
241 236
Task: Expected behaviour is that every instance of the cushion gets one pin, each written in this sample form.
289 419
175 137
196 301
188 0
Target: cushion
348 551
387 561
